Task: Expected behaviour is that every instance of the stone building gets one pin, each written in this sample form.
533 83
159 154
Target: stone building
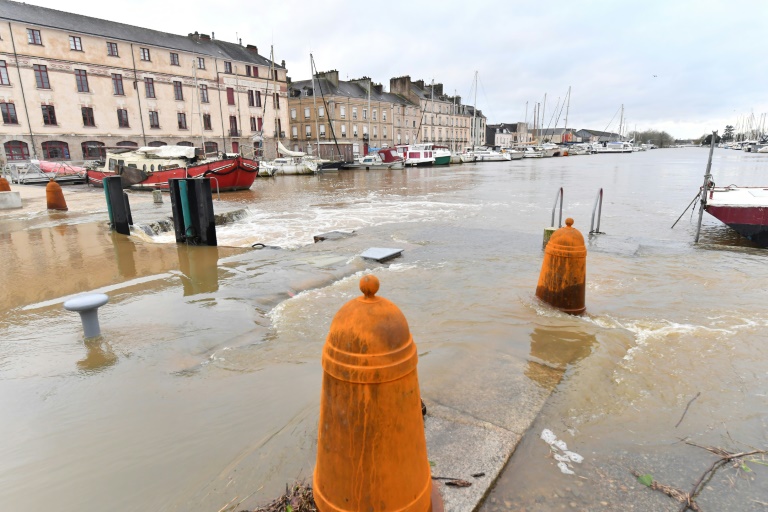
357 112
71 85
506 135
444 120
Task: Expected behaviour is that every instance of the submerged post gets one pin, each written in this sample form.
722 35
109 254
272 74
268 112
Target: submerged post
707 178
117 205
192 207
551 229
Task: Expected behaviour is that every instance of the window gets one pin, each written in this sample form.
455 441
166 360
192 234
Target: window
55 150
354 112
207 122
81 78
174 59
227 67
88 116
253 124
306 112
251 99
9 113
344 130
154 119
127 144
365 113
93 149
182 118
157 144
204 94
365 131
178 91
230 96
258 98
374 133
293 113
33 36
112 49
342 111
200 63
122 118
277 100
354 130
384 132
276 77
16 150
321 112
75 44
255 72
211 147
374 114
4 80
233 126
117 84
247 70
384 115
144 54
322 131
41 76
49 115
149 86
185 144
260 123
294 132
308 131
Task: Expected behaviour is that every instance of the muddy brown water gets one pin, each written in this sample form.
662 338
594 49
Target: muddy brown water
204 386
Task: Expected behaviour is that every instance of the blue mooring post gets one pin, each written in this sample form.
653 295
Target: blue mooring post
117 205
192 206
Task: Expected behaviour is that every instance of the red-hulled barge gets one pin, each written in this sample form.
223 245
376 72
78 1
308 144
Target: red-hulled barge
745 209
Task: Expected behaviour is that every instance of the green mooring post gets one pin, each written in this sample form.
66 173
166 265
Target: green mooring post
192 206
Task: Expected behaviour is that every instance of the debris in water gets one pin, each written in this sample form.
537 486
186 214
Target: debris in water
563 461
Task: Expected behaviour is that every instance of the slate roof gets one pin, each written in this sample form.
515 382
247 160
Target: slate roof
77 23
347 89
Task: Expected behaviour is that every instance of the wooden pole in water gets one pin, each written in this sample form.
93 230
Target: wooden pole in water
707 177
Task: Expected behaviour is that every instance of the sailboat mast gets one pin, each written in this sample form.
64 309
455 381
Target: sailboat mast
474 113
314 106
543 116
567 108
199 108
621 119
274 98
369 114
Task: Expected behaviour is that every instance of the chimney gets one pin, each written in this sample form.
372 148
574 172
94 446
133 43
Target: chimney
213 35
282 63
419 84
438 89
205 37
332 76
240 41
254 49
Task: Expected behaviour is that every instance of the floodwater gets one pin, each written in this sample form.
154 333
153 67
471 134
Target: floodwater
203 389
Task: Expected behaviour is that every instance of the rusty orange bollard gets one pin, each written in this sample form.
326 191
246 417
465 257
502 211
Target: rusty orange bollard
563 278
371 448
54 196
4 185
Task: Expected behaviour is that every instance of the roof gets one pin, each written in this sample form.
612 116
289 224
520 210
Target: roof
67 21
349 90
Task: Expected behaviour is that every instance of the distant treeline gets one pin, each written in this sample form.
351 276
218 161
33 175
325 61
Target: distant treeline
661 139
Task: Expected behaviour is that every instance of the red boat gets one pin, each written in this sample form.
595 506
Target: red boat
745 209
151 168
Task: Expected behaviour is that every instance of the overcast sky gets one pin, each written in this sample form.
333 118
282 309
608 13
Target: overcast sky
686 67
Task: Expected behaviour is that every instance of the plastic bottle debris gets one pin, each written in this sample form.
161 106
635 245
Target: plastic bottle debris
565 459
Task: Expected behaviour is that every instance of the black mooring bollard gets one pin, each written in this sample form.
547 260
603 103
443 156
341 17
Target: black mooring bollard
117 205
192 206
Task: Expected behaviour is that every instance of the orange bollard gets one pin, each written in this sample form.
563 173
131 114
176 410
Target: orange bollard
4 185
371 448
562 282
55 196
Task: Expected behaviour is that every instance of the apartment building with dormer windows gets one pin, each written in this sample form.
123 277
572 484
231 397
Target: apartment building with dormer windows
71 85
